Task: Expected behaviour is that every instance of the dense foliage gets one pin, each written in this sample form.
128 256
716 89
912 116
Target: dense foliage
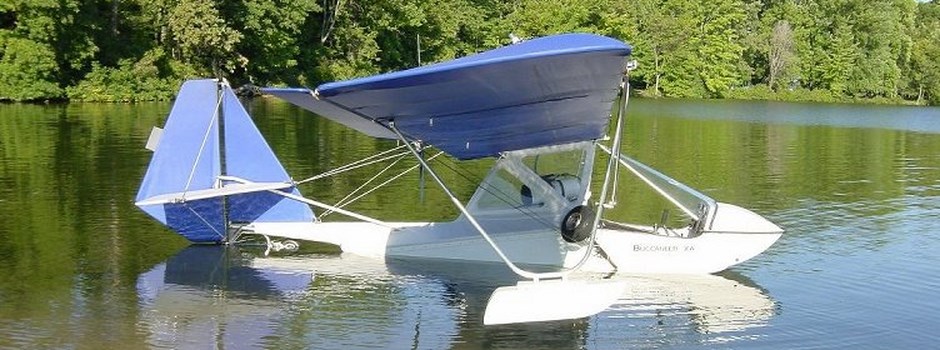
126 50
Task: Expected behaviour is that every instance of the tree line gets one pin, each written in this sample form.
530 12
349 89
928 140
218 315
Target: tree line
135 50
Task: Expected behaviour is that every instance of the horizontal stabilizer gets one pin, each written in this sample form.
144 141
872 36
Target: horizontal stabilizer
196 220
227 190
551 300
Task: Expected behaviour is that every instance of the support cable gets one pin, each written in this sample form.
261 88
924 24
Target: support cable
342 202
202 147
357 164
386 182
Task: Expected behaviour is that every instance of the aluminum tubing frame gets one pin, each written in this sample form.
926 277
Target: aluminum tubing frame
624 88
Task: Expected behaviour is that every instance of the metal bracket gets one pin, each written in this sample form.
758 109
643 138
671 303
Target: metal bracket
631 65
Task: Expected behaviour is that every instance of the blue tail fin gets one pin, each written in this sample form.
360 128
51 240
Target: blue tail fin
184 186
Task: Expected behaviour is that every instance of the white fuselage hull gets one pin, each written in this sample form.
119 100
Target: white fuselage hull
641 252
736 236
456 240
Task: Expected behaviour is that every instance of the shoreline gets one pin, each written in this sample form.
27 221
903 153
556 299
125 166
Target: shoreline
763 93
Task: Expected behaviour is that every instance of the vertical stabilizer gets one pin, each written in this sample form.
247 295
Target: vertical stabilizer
187 159
182 186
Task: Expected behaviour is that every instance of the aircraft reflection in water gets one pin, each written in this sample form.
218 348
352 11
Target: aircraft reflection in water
225 297
713 303
213 296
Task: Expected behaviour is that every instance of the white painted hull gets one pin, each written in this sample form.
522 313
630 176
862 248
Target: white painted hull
736 236
640 252
451 241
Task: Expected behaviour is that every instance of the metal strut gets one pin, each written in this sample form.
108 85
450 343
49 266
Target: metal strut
616 147
512 266
314 203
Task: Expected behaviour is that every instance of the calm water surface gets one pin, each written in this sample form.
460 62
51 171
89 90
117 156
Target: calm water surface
856 187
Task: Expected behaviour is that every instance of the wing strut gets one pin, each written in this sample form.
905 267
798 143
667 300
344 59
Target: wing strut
547 296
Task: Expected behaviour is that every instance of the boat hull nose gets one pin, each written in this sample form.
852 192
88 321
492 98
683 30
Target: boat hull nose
735 236
732 218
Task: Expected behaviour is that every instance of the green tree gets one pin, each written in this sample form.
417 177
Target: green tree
655 34
203 37
29 69
882 32
685 49
531 18
720 47
456 28
346 46
154 77
119 50
924 68
360 38
271 30
838 60
781 54
853 47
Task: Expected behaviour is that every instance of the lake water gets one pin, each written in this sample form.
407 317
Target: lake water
856 187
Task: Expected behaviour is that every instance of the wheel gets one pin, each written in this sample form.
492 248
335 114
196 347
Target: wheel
576 226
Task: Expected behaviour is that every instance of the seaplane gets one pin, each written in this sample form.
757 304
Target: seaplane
544 110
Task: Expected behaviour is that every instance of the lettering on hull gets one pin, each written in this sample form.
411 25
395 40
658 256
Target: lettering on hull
640 248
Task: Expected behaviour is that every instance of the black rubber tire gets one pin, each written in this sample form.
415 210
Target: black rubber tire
576 226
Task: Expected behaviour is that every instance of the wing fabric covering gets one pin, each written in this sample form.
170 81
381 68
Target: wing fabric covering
188 159
303 98
547 91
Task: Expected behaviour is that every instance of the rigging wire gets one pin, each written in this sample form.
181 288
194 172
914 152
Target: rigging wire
204 221
202 147
357 164
386 182
342 202
469 177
